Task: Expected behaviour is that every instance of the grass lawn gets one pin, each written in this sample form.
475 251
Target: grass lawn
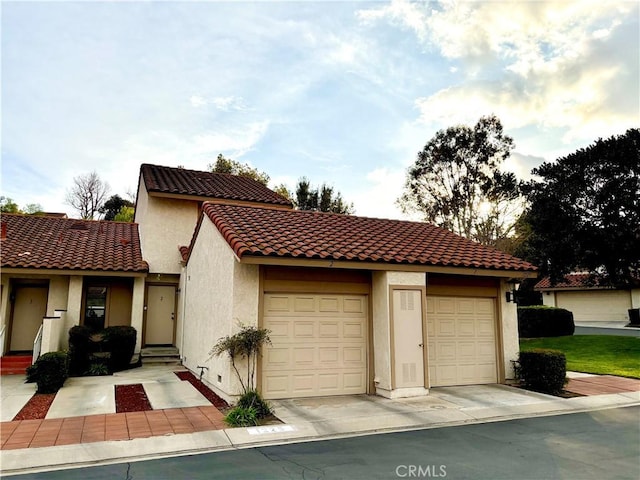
602 354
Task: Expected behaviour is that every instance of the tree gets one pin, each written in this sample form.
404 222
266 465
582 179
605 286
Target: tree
584 212
33 209
87 195
456 182
321 199
282 190
125 214
7 205
113 206
226 165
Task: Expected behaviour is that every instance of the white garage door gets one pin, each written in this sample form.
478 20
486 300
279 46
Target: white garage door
461 340
596 306
318 345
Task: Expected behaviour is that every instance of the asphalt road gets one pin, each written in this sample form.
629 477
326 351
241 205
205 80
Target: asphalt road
626 332
594 445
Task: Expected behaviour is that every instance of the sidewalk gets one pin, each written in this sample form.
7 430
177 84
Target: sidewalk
304 420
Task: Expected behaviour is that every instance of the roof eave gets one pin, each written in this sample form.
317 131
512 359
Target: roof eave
67 271
400 267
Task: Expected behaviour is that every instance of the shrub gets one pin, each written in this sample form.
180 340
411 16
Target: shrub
542 370
50 371
542 321
80 349
121 342
252 399
241 417
97 369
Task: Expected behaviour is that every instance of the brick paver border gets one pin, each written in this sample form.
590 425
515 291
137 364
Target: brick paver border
113 426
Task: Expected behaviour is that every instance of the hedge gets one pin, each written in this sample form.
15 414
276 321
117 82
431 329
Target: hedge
542 370
80 349
542 321
121 342
50 371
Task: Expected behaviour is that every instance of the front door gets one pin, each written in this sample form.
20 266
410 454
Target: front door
408 338
161 314
29 308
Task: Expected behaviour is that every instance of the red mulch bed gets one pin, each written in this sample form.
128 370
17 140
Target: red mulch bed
203 389
131 398
37 407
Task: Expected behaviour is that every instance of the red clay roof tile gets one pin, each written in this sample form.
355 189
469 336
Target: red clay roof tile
254 231
572 281
68 244
180 181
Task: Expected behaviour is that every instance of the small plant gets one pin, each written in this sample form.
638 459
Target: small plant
97 369
248 342
50 371
241 417
252 399
542 370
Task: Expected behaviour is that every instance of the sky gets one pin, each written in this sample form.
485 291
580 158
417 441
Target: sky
345 93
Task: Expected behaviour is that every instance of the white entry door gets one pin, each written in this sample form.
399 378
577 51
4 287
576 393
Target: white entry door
408 338
29 309
160 323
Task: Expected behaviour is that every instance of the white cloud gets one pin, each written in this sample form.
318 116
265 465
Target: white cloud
377 197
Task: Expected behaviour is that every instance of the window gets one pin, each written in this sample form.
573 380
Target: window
95 307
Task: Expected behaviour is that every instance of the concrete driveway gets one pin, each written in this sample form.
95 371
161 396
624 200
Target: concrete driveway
365 413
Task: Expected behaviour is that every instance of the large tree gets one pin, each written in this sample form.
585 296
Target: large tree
113 206
87 195
584 211
456 182
321 198
233 167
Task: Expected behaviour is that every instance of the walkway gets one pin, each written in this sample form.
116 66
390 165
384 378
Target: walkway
113 426
589 384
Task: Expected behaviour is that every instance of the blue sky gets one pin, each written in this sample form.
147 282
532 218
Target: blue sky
343 92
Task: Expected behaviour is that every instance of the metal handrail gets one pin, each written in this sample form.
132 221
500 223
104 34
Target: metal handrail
37 344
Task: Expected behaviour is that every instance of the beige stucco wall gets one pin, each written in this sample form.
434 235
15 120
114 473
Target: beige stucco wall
549 299
58 294
509 323
164 224
4 311
213 278
137 309
635 298
596 305
74 305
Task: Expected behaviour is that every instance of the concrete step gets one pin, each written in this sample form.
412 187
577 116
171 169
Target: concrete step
160 356
15 364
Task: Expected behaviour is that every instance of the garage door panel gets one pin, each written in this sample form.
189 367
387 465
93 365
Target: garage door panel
461 341
318 352
302 330
277 303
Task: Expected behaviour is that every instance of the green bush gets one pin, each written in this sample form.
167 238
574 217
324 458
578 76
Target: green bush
252 399
241 417
50 371
542 321
542 370
97 369
80 349
121 342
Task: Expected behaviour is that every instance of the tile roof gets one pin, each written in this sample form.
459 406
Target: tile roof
184 252
180 181
68 244
571 281
253 231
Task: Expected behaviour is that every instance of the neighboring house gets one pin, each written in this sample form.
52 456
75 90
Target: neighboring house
354 305
59 272
589 301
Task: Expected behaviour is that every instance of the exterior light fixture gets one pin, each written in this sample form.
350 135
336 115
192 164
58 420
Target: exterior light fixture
511 294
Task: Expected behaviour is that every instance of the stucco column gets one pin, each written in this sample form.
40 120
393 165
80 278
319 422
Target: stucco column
137 309
509 320
635 298
381 334
74 306
58 294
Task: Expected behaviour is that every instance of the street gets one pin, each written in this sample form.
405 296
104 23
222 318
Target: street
593 445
